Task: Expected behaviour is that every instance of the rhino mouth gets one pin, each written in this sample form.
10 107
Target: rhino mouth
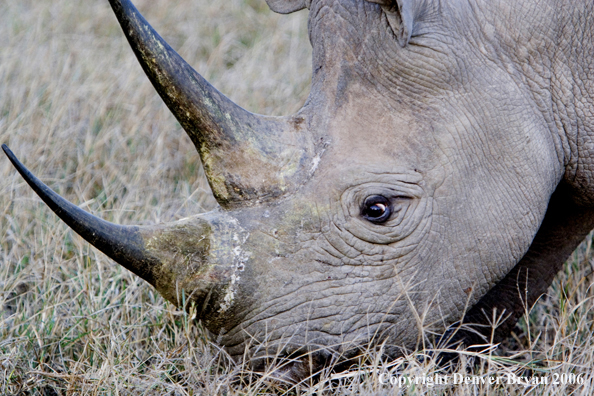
299 366
248 159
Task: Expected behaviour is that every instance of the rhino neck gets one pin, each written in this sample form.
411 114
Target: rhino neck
551 57
572 86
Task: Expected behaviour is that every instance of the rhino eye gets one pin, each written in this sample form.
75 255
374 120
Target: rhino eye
376 209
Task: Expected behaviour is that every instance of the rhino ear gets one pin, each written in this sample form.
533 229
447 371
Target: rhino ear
401 16
287 6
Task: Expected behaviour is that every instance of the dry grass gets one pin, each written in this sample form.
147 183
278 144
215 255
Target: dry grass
76 108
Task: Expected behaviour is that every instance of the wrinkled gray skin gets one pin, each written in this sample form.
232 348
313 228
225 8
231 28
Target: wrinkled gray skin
468 116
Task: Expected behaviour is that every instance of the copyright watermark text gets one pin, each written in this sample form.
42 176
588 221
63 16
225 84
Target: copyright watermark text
403 381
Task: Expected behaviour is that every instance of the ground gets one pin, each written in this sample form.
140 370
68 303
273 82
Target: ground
76 108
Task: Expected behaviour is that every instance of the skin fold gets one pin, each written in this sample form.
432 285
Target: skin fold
472 123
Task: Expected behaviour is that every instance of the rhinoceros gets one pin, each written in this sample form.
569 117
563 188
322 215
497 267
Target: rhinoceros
442 161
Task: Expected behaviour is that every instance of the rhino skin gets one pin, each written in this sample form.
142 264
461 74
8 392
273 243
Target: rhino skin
443 160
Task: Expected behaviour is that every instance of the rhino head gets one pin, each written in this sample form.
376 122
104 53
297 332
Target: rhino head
412 181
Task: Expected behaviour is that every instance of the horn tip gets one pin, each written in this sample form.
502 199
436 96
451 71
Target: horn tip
10 154
15 161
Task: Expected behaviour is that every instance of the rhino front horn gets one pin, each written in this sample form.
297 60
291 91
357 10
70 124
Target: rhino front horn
124 244
246 156
153 252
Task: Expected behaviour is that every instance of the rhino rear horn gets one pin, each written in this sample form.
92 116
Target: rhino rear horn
245 156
